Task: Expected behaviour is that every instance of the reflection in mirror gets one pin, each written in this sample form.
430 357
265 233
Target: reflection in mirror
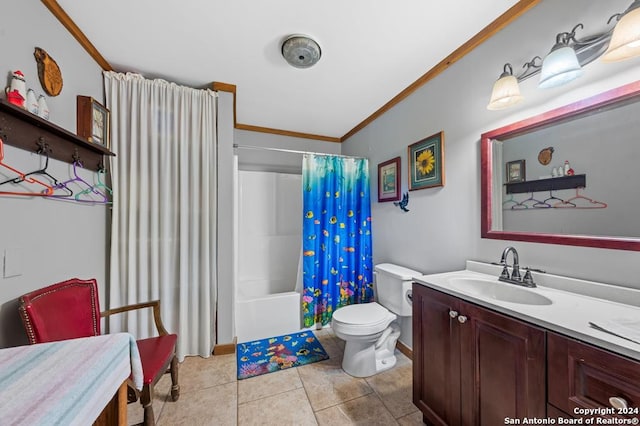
569 176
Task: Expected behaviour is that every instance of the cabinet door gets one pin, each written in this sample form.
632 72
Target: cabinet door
436 357
502 367
584 377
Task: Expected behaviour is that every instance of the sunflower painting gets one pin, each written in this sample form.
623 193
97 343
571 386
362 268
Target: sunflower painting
426 159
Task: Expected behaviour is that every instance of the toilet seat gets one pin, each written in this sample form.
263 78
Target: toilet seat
362 319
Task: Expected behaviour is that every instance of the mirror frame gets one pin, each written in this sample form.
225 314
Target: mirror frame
581 108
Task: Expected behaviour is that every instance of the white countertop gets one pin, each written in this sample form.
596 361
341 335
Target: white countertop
575 303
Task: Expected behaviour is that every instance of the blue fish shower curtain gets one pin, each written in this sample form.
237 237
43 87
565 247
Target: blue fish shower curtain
336 232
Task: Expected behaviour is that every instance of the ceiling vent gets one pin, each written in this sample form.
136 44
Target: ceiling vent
301 51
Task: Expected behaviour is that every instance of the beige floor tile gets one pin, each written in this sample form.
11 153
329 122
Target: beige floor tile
289 408
215 405
327 384
268 385
331 345
367 410
394 387
162 393
413 419
197 373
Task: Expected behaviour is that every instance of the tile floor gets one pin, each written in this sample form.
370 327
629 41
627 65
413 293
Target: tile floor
315 394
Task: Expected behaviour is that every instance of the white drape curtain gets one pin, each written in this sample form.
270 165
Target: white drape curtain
163 236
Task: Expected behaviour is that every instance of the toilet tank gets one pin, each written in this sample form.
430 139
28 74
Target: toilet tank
393 283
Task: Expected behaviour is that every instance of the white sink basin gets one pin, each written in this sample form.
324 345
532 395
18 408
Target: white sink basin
498 291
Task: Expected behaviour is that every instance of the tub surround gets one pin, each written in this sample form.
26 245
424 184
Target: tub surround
574 303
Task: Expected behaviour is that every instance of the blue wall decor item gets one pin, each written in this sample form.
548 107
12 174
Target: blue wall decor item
403 203
336 232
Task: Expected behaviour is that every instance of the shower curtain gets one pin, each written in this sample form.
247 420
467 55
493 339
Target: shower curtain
336 232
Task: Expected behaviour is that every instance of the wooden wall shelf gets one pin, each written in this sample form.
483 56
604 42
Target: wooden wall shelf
550 184
27 131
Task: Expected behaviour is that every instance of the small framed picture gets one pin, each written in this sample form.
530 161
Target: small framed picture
389 180
516 171
92 120
426 162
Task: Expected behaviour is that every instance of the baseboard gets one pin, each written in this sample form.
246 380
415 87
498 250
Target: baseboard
226 348
405 350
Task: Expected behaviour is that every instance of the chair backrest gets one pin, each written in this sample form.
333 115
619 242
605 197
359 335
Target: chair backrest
66 310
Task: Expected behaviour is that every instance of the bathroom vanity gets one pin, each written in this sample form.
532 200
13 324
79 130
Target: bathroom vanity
489 353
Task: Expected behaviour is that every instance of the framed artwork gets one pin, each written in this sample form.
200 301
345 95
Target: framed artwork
516 171
92 121
426 162
389 180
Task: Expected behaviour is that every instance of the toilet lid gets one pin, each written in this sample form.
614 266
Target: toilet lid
364 315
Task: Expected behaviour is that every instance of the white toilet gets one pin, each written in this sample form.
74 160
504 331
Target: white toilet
369 329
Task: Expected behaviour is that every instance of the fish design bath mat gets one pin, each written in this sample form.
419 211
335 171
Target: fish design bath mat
278 353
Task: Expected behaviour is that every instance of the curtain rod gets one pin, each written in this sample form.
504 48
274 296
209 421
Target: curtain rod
291 151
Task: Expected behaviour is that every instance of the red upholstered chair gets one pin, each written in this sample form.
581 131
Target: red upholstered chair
71 309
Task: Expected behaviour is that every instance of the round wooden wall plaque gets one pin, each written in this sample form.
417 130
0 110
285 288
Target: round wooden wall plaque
48 72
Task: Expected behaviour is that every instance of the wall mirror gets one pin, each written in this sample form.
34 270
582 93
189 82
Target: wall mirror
529 194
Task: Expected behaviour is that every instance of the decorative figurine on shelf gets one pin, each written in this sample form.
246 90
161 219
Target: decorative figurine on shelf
568 171
43 109
403 203
32 102
17 91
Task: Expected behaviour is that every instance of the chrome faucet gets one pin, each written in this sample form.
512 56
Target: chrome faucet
515 274
515 277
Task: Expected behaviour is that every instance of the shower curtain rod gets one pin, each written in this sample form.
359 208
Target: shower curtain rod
291 151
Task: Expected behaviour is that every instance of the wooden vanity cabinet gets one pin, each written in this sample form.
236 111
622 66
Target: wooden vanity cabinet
473 366
581 376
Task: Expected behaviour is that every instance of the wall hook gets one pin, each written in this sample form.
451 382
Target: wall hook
43 147
403 203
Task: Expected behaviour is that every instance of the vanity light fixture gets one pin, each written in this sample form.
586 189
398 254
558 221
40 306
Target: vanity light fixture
506 91
625 41
561 65
567 57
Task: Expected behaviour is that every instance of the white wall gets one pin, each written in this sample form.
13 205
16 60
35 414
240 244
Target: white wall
442 229
50 240
270 230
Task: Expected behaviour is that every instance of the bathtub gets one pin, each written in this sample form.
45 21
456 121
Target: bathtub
266 309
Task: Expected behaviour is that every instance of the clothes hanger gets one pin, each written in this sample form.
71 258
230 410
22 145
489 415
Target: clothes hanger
537 204
592 204
22 178
559 200
89 189
44 150
101 184
508 201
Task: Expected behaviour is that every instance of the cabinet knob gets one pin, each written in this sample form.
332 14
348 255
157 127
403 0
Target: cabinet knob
453 314
618 402
462 319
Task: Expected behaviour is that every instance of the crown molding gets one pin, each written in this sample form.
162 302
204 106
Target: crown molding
231 88
75 31
487 32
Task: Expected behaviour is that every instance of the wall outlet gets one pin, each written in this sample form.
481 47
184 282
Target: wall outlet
12 263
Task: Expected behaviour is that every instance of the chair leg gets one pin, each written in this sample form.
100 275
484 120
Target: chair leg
146 399
175 387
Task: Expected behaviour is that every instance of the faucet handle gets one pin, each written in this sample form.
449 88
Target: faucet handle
535 270
527 280
505 272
